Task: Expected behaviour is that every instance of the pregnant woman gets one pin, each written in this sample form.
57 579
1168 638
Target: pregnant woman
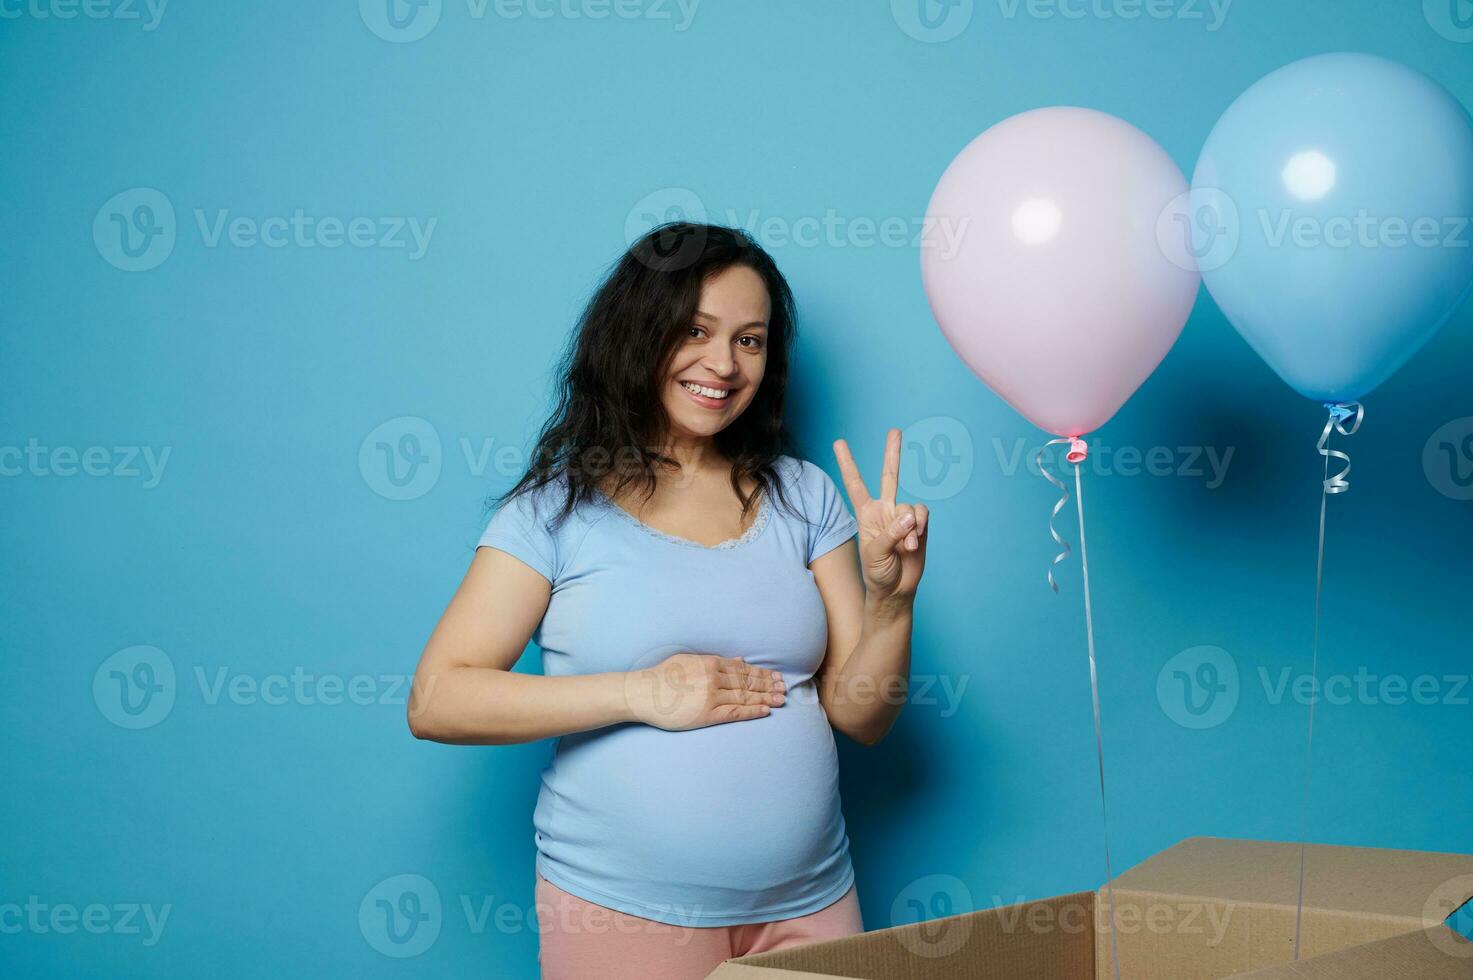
706 619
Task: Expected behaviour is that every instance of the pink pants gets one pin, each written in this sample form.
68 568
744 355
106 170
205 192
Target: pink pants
584 941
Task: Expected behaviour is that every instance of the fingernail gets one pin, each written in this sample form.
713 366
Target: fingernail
907 521
781 686
778 699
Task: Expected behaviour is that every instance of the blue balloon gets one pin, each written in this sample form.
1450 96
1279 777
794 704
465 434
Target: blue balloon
1329 215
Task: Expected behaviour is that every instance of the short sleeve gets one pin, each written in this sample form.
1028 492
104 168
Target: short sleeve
829 522
519 528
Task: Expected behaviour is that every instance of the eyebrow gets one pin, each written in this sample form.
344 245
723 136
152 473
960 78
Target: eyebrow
745 326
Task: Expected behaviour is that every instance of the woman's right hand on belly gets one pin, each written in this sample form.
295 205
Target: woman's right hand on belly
695 690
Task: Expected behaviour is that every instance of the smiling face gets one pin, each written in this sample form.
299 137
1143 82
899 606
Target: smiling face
717 367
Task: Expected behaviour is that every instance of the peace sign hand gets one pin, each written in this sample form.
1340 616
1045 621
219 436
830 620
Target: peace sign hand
892 536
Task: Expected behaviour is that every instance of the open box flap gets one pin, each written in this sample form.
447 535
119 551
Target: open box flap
1413 885
1366 918
1216 907
1431 954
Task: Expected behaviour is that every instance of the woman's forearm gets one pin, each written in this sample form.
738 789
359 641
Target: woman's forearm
485 706
865 696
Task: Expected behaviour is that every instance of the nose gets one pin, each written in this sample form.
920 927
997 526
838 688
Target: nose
720 362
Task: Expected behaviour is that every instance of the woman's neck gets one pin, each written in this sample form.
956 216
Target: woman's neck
693 455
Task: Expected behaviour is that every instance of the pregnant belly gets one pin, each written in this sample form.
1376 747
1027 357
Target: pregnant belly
747 810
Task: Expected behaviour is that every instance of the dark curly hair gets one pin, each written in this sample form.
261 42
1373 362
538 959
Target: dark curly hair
609 418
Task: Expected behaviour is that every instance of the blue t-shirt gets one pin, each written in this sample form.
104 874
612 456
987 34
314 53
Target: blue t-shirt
725 825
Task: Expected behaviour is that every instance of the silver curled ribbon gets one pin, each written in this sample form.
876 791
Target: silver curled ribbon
1063 499
1339 412
1078 450
1078 453
1333 483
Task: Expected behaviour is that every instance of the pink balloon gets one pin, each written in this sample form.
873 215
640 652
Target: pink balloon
1049 277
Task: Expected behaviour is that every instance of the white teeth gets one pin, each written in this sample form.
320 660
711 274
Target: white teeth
703 390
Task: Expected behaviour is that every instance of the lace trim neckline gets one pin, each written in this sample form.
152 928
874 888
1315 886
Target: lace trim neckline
764 509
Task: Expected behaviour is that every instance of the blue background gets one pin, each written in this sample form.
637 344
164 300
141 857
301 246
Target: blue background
266 548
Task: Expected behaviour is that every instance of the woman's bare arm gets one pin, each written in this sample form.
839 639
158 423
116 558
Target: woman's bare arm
868 591
465 693
866 671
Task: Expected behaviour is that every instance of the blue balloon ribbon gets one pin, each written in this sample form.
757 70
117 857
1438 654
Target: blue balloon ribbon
1339 412
1337 483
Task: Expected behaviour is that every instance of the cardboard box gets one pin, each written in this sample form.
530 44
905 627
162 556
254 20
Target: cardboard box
1206 908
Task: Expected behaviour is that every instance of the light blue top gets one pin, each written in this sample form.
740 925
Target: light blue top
724 825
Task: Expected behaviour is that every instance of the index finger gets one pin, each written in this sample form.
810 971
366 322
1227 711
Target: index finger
890 479
853 482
